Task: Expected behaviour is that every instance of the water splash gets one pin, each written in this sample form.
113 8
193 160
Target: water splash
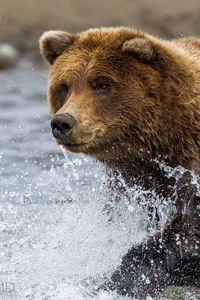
56 240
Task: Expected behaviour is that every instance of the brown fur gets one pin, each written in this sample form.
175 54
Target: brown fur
153 107
151 110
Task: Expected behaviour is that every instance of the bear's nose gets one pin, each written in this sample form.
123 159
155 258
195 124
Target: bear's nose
62 125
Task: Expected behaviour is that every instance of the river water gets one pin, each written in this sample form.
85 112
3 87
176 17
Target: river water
55 241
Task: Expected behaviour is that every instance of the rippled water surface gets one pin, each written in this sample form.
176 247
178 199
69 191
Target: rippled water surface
55 242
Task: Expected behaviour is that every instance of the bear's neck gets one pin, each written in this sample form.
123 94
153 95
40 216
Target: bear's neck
148 166
129 167
151 175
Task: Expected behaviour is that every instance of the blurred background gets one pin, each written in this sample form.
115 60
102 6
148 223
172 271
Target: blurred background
23 21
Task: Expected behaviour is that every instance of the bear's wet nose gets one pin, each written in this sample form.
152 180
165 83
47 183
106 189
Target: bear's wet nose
62 124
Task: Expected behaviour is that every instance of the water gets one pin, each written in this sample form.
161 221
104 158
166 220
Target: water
55 240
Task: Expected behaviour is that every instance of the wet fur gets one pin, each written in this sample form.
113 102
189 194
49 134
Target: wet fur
153 111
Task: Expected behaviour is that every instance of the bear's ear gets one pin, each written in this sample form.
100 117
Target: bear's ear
140 48
53 43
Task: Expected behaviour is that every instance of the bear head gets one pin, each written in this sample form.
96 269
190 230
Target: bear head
113 93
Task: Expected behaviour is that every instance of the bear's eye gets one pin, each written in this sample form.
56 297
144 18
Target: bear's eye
65 88
102 86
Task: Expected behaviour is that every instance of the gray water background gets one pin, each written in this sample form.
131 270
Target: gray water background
55 242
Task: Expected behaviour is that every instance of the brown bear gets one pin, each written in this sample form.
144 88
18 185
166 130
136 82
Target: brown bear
130 99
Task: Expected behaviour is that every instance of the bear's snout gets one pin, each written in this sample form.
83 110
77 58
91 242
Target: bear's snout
62 125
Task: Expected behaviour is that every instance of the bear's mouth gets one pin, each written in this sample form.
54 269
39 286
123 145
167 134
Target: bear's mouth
73 144
74 147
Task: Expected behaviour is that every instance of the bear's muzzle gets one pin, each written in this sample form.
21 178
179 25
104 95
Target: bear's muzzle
62 126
